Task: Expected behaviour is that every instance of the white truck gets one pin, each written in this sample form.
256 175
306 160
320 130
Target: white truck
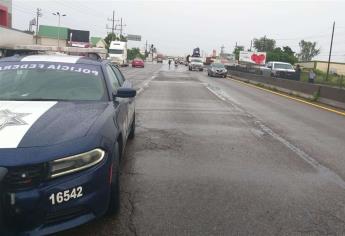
196 63
278 69
118 53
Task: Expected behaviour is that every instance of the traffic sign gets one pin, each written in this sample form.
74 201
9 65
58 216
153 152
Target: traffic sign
133 37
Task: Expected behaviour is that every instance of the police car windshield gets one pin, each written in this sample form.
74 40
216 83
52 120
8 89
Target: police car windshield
50 81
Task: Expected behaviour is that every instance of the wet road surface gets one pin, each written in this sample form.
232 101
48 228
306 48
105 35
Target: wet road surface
215 157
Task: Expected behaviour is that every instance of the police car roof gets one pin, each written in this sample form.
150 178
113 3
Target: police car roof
53 58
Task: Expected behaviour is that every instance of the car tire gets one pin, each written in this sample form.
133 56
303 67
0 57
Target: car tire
132 132
114 200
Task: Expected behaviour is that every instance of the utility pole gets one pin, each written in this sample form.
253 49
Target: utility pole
38 15
264 47
152 51
251 44
146 49
113 27
222 49
121 26
330 52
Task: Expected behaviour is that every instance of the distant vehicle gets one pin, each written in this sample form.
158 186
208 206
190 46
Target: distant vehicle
217 70
196 52
137 62
159 58
64 124
196 64
278 69
208 61
118 53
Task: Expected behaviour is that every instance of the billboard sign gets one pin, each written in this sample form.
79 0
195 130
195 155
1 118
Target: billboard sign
133 37
79 36
258 58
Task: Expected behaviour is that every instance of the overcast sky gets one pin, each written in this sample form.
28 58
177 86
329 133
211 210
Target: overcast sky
176 27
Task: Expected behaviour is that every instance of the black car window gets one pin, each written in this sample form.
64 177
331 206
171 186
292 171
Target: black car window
119 75
112 78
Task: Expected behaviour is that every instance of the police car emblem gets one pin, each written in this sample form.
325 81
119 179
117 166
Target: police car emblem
8 118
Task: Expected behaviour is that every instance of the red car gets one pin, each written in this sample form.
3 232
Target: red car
138 63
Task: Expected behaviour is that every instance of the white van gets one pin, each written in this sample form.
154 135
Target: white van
118 53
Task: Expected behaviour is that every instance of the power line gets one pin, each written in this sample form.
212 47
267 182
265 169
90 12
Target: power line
18 7
76 9
22 11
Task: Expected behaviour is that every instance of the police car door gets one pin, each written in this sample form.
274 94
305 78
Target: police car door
129 101
120 104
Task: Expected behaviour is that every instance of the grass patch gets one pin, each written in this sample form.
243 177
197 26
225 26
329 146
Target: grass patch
333 80
316 96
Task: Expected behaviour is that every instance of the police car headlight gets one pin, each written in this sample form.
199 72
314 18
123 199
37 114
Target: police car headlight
75 163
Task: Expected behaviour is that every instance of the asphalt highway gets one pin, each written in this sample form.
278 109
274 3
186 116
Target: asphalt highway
213 156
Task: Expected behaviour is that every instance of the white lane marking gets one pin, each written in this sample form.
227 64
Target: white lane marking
62 59
215 93
139 91
146 84
322 170
11 136
180 82
220 93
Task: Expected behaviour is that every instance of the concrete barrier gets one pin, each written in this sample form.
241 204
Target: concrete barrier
322 93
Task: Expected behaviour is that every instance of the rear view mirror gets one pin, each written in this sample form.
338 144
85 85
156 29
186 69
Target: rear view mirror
125 93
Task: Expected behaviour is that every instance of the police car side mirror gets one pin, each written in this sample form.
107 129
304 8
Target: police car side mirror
125 93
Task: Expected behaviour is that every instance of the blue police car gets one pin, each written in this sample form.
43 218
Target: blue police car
64 124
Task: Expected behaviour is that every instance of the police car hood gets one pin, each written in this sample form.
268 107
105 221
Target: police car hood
45 123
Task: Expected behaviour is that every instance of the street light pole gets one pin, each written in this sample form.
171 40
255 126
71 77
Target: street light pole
59 15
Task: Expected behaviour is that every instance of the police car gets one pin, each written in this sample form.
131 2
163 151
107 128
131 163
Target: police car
64 124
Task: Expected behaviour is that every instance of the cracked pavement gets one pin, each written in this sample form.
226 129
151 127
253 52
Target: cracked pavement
212 157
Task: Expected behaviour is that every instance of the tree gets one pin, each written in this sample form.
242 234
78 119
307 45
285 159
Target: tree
308 50
110 37
285 55
123 38
264 44
134 53
236 52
